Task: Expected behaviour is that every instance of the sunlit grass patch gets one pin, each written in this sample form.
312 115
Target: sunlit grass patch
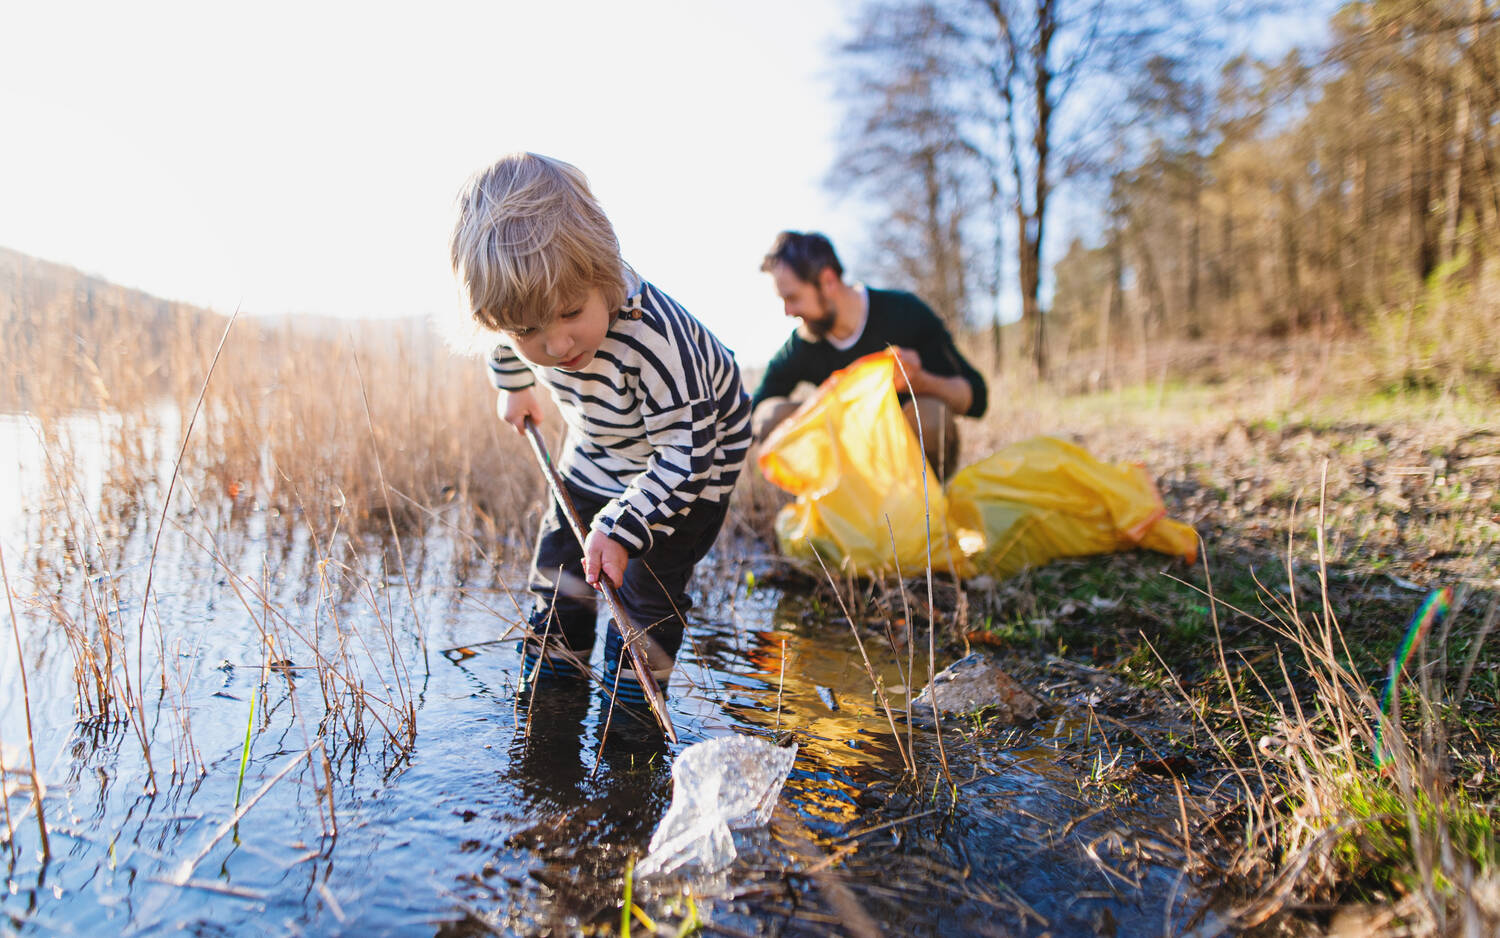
1377 853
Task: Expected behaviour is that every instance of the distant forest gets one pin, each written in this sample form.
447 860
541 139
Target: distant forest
1347 191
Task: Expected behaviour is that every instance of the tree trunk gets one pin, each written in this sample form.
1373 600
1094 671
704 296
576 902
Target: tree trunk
939 286
1419 189
1030 249
1226 252
1194 236
1457 150
1031 234
1291 242
1111 312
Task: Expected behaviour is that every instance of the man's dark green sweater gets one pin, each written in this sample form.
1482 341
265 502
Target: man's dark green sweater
895 318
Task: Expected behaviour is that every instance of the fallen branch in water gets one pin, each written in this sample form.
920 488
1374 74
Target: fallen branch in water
184 874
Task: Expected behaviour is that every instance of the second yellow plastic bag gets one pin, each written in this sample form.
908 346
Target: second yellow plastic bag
1043 498
855 466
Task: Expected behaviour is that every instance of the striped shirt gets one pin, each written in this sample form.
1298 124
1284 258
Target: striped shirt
657 421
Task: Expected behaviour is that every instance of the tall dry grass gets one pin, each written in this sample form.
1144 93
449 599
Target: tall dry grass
349 428
372 426
325 453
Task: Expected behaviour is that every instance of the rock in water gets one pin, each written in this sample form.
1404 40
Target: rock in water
973 683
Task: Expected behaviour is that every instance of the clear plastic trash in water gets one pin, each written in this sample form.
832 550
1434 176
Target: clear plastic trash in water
717 785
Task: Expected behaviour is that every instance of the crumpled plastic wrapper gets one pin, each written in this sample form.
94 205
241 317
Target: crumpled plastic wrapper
717 785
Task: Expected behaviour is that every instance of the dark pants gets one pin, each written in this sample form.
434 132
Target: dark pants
653 590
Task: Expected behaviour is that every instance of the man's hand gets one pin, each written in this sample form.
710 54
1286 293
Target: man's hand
953 391
911 364
603 554
515 406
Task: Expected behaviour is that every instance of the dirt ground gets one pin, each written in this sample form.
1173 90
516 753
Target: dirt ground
1318 496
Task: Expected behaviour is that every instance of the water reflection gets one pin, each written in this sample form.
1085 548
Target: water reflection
520 816
585 782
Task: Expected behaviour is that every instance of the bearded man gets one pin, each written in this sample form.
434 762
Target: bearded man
840 322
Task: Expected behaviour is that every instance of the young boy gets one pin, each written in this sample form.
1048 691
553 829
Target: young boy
657 421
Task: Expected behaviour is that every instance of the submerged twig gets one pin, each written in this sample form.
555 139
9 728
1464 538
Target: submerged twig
184 872
888 824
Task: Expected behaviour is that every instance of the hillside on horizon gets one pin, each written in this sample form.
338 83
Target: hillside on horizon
29 284
81 336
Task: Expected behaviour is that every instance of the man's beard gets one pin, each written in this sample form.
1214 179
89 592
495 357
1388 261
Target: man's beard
820 327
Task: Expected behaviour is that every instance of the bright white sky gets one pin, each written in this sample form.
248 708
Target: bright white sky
302 157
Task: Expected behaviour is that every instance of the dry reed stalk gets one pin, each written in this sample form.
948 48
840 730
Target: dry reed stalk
10 829
333 820
398 668
184 871
1191 857
780 683
390 514
87 669
156 545
931 603
1484 632
330 674
1255 821
879 685
326 670
36 781
184 750
909 677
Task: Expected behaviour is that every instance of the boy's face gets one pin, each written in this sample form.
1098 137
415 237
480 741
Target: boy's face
569 338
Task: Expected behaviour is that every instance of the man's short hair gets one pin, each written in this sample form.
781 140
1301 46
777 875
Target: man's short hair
804 254
530 237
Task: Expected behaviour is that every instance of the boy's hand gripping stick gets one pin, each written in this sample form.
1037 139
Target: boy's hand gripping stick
628 630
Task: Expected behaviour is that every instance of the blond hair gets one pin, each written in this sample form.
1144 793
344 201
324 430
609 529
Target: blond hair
530 238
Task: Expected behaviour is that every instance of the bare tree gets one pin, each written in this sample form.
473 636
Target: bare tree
1015 91
903 149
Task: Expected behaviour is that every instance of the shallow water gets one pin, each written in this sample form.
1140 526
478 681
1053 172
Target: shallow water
497 814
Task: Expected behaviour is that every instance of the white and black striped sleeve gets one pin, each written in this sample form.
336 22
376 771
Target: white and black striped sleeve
507 371
683 439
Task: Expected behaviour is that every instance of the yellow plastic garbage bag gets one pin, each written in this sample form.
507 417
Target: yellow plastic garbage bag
1043 498
852 461
855 466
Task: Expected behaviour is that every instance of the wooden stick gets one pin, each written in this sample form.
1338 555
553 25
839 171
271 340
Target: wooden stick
623 622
